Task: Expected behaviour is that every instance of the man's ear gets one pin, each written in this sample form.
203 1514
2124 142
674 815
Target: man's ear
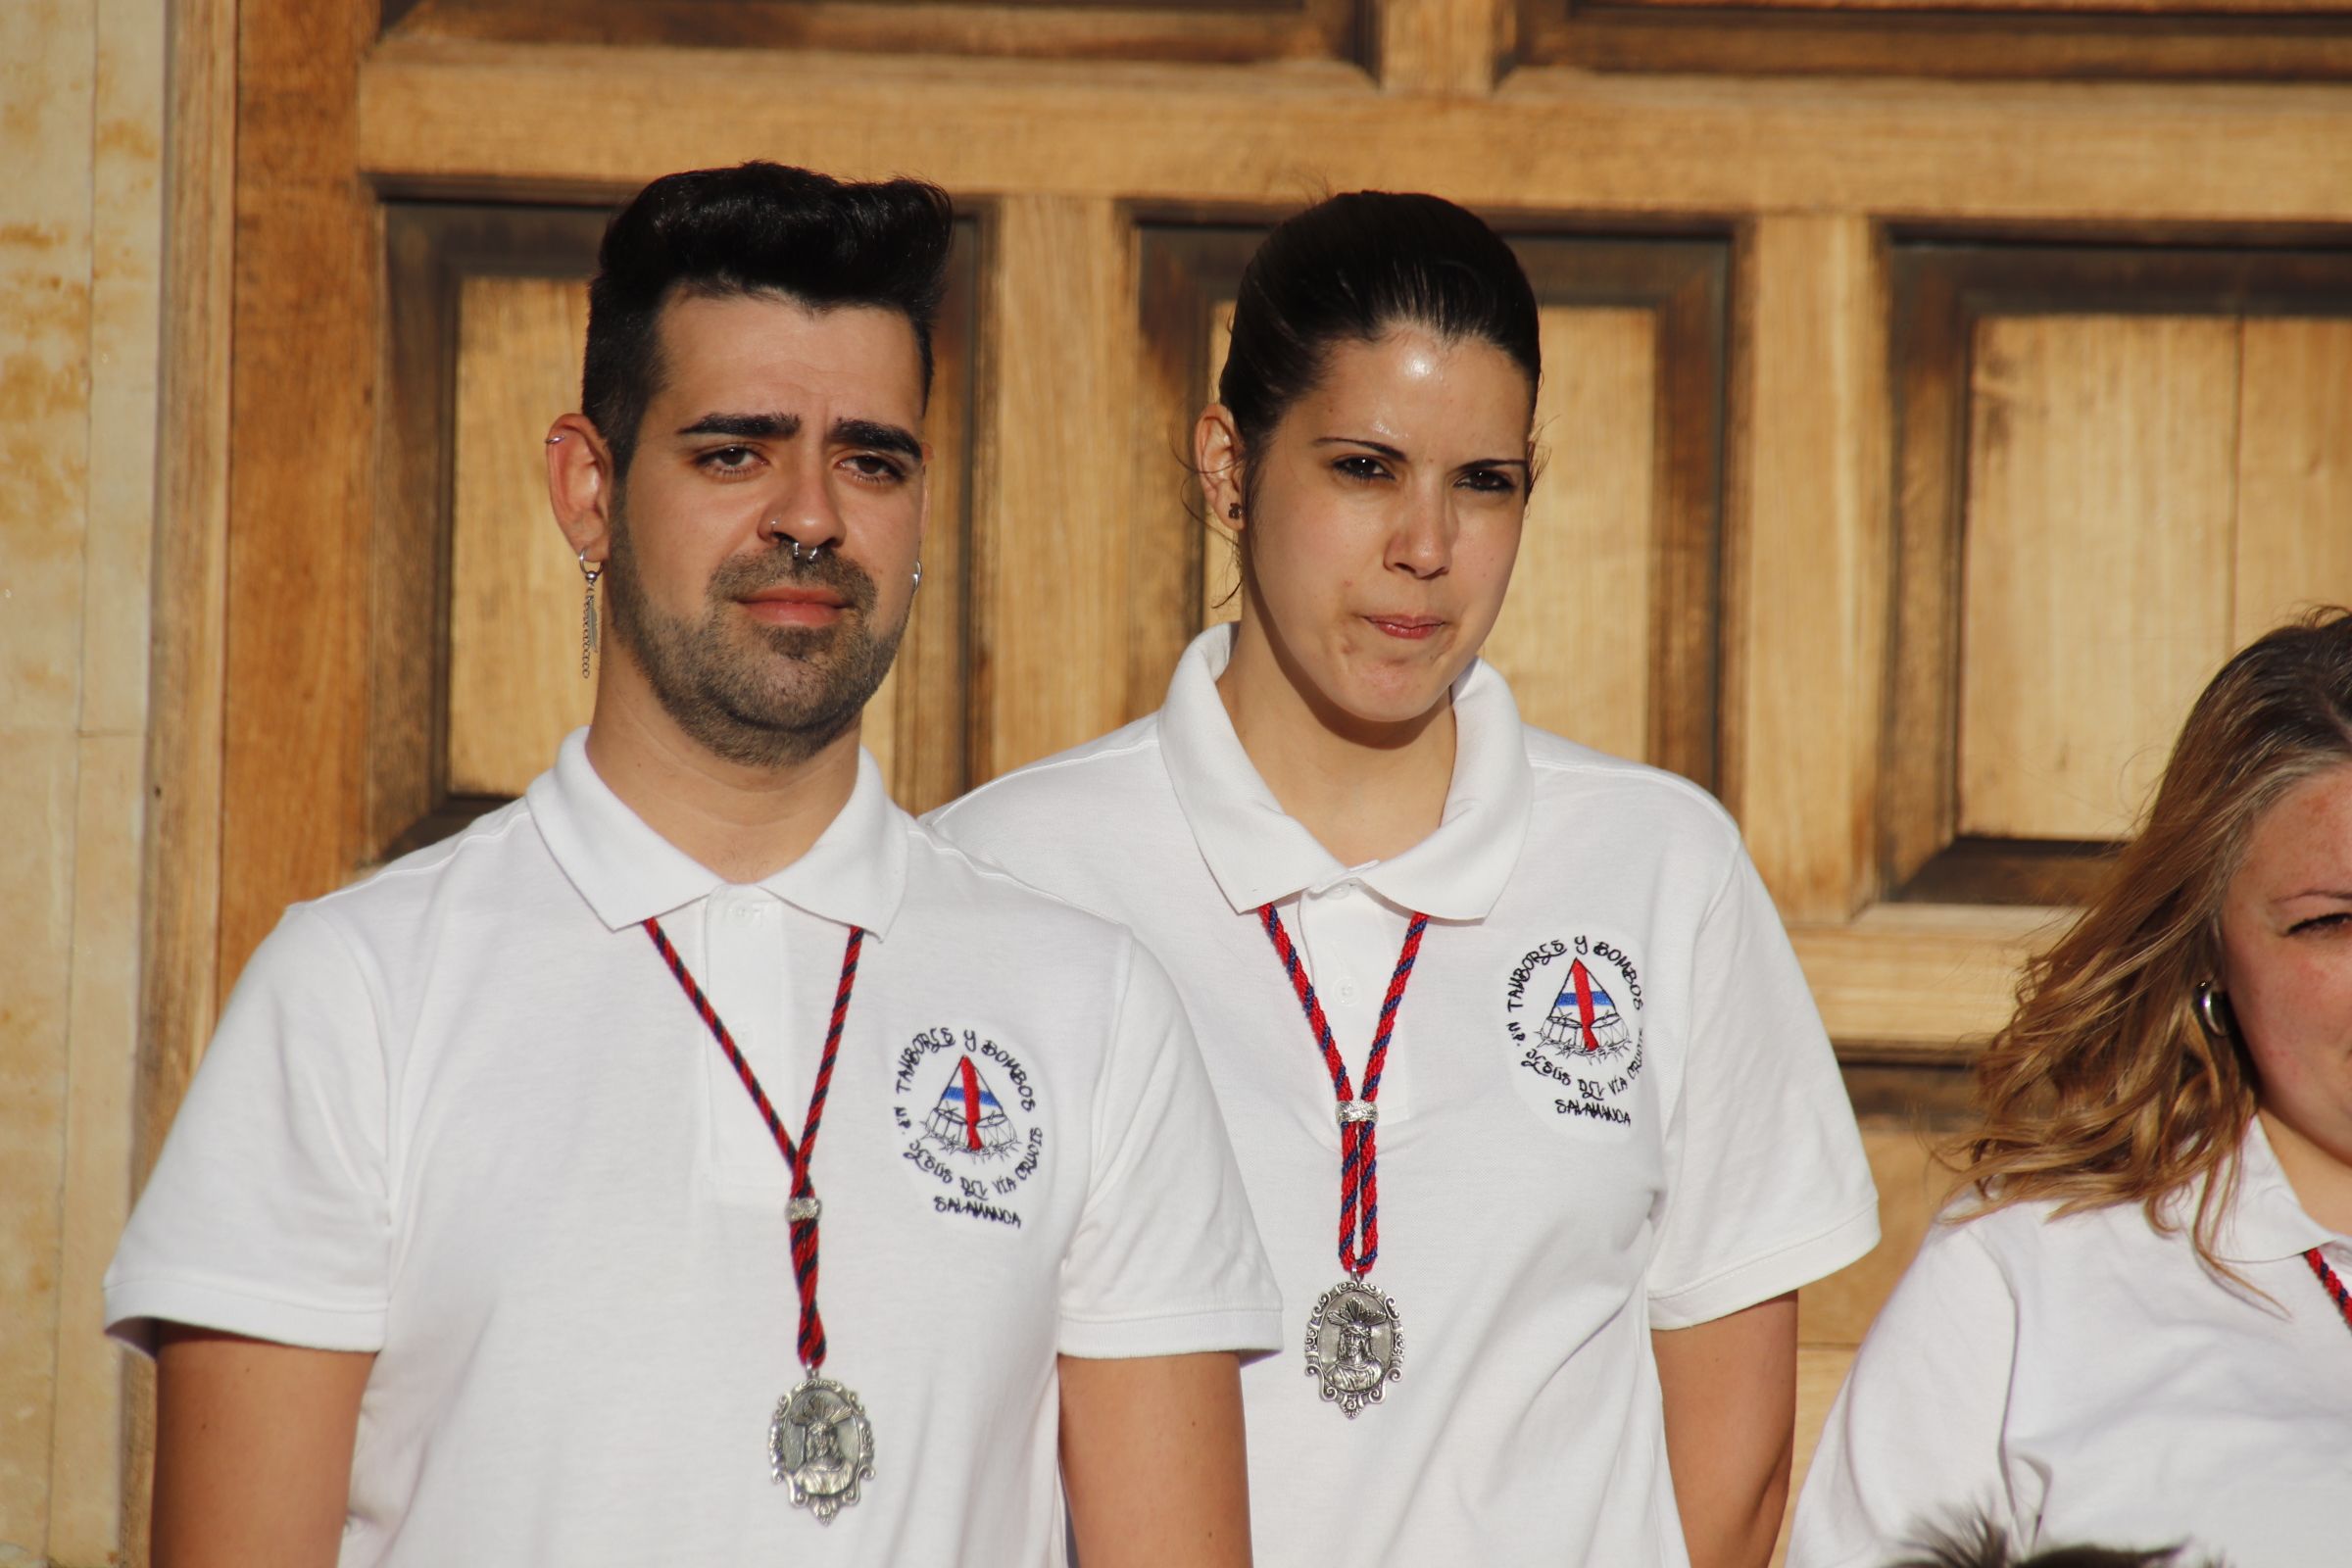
1217 459
579 486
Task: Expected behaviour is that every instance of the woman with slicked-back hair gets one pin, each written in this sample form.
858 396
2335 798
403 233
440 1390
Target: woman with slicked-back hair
2132 1325
1537 1118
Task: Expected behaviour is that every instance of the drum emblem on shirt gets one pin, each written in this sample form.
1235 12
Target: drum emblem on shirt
1572 1007
966 1117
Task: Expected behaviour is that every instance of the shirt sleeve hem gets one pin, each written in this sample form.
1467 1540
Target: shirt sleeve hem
1251 1331
1774 1274
134 1308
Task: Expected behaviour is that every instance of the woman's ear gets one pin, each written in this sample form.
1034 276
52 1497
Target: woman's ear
579 486
1217 460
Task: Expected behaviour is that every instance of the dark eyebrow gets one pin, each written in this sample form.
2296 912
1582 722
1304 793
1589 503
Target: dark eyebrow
1396 456
749 426
1383 449
879 436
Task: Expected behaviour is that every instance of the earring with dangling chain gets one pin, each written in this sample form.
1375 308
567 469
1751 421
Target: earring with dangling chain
588 613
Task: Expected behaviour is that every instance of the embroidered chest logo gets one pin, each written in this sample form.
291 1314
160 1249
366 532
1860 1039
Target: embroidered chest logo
967 1122
1572 1007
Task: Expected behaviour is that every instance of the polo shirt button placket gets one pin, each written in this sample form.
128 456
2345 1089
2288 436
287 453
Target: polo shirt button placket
748 980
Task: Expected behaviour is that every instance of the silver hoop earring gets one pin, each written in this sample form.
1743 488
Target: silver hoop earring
918 571
1234 511
588 612
2212 1008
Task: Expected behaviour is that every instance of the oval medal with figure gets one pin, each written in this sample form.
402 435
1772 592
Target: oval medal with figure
821 1445
1355 1347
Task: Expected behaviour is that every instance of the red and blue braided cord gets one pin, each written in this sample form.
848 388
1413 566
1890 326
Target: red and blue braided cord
2331 1284
1359 1141
800 1159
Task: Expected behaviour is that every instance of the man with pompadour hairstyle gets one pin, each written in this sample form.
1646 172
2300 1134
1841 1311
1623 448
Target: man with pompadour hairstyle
497 1227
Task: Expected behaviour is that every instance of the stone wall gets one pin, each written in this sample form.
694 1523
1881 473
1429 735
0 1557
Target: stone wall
82 114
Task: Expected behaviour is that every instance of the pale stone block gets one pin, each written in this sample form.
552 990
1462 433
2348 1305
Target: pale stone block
46 50
85 1500
126 341
37 770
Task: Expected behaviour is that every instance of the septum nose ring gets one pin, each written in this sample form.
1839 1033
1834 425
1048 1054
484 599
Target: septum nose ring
801 552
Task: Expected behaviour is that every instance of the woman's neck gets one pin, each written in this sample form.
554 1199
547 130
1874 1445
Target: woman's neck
1366 791
2321 1182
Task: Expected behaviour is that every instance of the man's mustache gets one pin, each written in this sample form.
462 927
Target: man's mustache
744 575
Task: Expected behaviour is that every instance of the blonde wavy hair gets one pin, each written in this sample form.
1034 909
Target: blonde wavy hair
2102 1087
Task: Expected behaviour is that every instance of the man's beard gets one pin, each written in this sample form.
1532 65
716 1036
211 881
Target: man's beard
759 696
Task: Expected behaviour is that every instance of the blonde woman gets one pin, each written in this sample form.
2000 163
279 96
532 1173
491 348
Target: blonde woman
2132 1329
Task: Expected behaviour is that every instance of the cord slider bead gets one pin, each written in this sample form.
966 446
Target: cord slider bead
799 1210
1358 1111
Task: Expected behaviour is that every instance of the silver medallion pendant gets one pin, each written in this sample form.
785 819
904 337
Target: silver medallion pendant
1355 1347
821 1445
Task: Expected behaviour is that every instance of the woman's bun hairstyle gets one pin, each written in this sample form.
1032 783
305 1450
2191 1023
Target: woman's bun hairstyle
1353 267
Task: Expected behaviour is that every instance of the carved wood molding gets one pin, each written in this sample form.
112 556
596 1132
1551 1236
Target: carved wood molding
2215 40
1233 31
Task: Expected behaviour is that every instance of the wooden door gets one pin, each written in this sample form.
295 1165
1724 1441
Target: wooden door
1937 396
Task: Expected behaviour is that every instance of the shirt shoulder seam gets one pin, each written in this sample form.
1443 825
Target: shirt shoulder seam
475 832
1145 742
989 871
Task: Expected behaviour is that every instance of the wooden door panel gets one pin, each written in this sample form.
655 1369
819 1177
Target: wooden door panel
2117 466
2294 471
2094 562
2147 495
1576 637
514 588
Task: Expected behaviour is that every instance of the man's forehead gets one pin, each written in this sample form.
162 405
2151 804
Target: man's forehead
740 346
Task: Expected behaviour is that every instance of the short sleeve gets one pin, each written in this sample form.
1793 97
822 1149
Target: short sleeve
266 1214
1165 1260
1767 1186
1913 1442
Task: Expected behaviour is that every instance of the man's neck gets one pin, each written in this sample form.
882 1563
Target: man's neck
745 823
1366 792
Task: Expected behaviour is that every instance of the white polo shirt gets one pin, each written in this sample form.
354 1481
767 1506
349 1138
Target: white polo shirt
1552 1185
2085 1379
461 1115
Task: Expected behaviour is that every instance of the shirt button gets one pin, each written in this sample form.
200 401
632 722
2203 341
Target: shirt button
1346 991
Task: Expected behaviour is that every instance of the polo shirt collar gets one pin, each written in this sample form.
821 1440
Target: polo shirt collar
853 874
2267 1223
1259 854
